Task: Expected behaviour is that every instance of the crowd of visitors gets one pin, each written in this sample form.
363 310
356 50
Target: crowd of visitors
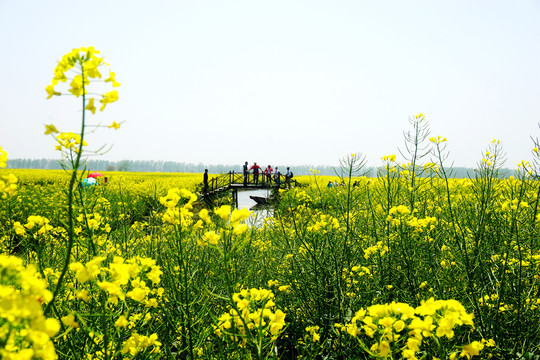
342 183
269 175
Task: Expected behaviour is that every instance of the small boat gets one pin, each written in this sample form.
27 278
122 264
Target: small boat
261 200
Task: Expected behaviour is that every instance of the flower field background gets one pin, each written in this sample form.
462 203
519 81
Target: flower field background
384 268
410 263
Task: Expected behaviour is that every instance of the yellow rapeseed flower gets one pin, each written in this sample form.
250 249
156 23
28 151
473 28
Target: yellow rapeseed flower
50 129
223 212
240 229
69 320
91 107
115 125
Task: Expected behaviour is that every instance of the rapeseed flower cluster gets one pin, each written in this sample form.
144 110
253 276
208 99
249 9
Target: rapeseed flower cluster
183 215
174 214
431 167
137 344
323 223
353 277
3 158
401 214
93 221
130 293
83 64
8 183
312 334
25 333
39 225
302 197
437 140
427 223
254 313
69 141
122 279
379 248
397 213
86 64
230 220
389 158
209 238
398 327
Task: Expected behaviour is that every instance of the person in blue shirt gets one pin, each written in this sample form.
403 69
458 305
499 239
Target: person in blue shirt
246 172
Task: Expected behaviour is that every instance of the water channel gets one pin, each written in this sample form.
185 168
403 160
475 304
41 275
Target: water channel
259 212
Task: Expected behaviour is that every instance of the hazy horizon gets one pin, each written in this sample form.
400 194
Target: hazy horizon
97 164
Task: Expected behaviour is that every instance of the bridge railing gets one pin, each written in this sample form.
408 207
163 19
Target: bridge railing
238 178
218 183
225 180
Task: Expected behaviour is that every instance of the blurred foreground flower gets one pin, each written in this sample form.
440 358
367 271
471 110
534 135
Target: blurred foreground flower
8 183
26 333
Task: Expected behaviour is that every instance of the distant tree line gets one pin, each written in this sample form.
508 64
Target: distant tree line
173 166
157 166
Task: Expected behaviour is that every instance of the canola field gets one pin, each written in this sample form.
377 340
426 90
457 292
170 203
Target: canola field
396 266
410 264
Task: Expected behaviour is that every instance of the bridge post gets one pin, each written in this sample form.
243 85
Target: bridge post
235 197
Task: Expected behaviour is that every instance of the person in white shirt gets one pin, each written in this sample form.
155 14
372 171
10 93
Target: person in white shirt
277 177
288 177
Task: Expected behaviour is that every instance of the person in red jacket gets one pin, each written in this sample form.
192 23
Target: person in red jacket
256 169
268 173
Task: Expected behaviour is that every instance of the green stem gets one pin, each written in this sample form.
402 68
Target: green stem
74 172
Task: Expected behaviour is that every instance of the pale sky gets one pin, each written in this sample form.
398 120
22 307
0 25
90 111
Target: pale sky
278 82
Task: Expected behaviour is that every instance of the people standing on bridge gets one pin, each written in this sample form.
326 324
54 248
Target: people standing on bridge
246 173
276 177
268 173
288 177
205 180
256 169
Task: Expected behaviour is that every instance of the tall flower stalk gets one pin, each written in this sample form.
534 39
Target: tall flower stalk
79 66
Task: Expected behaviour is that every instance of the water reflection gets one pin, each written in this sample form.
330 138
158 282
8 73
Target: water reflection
259 212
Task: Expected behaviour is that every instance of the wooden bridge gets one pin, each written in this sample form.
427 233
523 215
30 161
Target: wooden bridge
237 181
